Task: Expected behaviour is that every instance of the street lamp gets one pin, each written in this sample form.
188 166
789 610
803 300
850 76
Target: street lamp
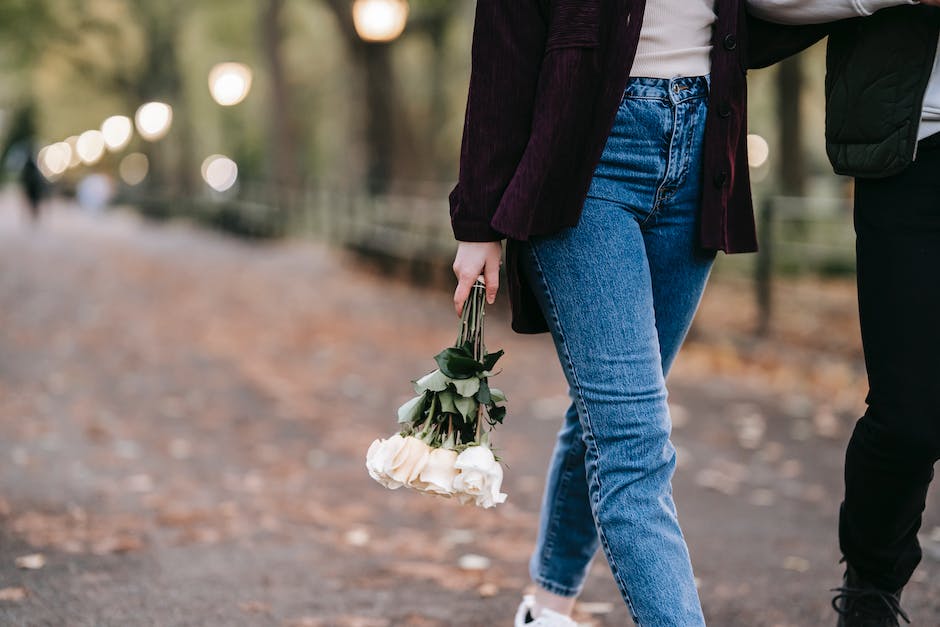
219 172
54 159
133 168
117 131
380 21
229 83
90 146
153 120
757 150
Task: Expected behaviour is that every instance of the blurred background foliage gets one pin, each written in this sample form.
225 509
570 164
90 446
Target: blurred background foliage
318 88
326 110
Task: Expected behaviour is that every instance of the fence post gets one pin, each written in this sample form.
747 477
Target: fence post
763 270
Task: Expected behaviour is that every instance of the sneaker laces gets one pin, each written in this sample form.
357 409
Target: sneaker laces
869 601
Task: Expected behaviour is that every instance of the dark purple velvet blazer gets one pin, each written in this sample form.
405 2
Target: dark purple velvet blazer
547 78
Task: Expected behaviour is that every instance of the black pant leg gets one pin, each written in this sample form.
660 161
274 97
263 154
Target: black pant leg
890 458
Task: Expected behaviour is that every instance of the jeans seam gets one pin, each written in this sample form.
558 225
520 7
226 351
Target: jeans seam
630 97
589 433
549 545
690 133
658 201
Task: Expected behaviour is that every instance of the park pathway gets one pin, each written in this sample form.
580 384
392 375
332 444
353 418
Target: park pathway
183 420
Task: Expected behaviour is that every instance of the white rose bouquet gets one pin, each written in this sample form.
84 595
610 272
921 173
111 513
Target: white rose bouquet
443 444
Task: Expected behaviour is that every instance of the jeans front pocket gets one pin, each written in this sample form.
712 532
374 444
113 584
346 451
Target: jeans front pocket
634 160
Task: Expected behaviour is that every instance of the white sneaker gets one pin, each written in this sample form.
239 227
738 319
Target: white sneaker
547 618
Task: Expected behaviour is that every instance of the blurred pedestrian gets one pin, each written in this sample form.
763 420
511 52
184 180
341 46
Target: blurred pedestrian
94 192
606 142
32 181
883 127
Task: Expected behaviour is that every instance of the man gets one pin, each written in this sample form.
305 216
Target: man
883 127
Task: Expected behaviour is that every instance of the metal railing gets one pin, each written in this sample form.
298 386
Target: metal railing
411 231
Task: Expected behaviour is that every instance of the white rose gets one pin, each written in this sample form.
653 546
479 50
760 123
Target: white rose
438 474
408 462
480 477
379 456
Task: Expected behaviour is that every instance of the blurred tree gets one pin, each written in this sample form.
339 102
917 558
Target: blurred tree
91 39
789 112
388 133
383 110
284 169
433 17
159 77
26 28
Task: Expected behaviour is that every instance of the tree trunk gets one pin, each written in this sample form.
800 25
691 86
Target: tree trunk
284 171
373 64
792 158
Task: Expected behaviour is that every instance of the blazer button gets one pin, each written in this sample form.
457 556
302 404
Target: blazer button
724 110
720 179
730 42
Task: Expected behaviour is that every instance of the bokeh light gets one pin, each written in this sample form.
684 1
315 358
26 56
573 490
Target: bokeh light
117 131
758 150
380 20
74 159
219 172
153 120
54 159
133 168
90 146
229 83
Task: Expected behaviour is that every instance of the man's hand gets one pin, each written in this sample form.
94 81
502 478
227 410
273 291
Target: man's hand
472 260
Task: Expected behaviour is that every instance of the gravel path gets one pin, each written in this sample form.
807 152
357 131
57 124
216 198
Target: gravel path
183 419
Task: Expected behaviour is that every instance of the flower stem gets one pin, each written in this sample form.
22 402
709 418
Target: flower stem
471 322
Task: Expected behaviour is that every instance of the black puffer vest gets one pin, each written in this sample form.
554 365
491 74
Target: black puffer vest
878 68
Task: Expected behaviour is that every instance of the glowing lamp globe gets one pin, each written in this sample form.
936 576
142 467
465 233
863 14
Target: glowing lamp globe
380 21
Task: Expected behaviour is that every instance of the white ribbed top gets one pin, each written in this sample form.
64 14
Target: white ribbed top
675 39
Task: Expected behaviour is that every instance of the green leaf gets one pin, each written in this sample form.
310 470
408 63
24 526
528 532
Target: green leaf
484 395
490 359
435 381
497 414
411 411
466 387
447 399
467 407
458 363
497 395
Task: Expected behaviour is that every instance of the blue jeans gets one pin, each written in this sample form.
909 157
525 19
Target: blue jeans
619 291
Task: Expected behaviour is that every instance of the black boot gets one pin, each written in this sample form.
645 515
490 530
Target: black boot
860 604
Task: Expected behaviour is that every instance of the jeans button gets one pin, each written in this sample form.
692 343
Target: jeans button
724 110
730 42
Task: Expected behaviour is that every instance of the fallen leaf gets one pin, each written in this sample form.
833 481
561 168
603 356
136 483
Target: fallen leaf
488 589
117 544
254 607
16 593
473 562
33 561
357 537
796 564
762 498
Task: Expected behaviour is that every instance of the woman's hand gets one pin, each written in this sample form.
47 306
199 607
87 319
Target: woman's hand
472 260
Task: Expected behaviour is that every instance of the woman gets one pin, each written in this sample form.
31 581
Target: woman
605 140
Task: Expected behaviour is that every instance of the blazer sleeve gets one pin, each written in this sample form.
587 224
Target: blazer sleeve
506 56
770 43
